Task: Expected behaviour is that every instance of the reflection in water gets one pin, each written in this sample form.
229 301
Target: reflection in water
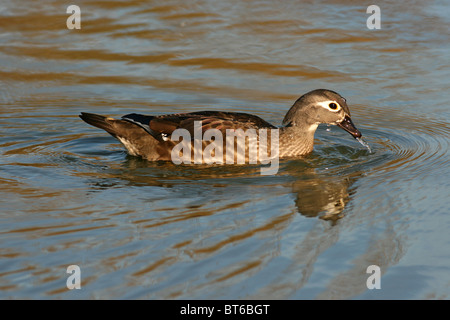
321 197
316 195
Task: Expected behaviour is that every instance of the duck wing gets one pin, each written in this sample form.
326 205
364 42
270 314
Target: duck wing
164 125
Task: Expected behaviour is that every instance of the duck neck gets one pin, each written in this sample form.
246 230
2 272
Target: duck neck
296 140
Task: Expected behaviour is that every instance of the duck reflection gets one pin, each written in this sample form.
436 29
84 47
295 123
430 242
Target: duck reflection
322 195
238 207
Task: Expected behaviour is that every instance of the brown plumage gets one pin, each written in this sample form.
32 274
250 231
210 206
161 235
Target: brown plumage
150 137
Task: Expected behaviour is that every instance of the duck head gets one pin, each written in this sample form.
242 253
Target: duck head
321 106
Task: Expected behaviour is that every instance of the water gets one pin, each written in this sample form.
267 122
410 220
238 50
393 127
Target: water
71 196
365 144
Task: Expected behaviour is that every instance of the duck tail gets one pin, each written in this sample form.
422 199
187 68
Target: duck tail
99 121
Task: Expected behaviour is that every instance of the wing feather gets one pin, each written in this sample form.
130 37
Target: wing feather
222 121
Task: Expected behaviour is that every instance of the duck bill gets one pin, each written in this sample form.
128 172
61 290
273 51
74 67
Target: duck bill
348 126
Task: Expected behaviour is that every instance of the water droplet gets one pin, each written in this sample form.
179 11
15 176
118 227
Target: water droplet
364 144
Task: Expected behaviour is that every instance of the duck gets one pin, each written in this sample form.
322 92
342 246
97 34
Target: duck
154 138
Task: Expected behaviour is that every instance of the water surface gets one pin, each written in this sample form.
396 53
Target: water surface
138 230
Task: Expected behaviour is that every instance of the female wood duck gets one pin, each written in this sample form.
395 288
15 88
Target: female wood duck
150 137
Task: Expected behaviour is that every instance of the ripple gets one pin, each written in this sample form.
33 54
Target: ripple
417 153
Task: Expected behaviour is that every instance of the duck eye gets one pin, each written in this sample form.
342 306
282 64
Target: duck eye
333 106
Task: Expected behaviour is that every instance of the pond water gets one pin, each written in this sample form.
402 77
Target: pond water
70 195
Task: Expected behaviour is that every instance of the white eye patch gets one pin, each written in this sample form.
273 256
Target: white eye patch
330 105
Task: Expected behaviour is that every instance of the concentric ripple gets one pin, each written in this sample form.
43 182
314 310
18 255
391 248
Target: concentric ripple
413 152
